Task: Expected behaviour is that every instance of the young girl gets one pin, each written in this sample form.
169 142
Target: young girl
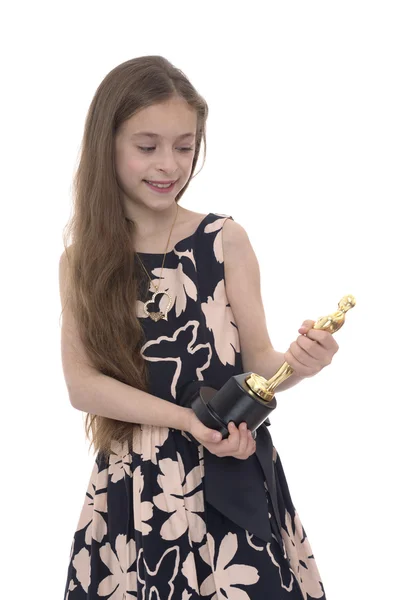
154 297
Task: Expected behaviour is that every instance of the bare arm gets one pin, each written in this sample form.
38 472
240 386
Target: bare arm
242 280
98 394
107 397
307 355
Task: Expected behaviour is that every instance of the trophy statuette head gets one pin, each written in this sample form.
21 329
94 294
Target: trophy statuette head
334 321
347 302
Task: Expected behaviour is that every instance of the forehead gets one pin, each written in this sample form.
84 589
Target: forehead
168 120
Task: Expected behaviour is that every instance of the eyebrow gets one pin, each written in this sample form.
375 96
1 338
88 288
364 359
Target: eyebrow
155 135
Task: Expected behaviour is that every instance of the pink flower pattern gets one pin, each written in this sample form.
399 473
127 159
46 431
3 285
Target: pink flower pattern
225 576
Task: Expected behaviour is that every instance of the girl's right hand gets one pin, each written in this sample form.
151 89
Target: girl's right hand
239 444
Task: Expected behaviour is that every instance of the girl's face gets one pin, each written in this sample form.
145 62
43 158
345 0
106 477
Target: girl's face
164 156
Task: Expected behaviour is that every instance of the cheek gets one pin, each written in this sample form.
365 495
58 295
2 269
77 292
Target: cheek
132 167
136 165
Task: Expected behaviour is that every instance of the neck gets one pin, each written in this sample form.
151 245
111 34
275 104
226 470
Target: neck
150 223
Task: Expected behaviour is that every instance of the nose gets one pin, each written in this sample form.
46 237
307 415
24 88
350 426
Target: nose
166 161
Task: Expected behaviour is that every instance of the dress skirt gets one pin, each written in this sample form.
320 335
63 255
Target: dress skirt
146 532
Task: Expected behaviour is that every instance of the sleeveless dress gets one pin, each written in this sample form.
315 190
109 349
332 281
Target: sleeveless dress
145 530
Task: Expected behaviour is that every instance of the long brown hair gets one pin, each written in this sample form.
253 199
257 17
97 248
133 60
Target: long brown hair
102 287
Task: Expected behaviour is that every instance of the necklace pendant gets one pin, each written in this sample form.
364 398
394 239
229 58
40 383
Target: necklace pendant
156 316
159 315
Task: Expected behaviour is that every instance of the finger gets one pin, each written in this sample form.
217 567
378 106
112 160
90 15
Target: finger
306 325
251 443
210 435
297 367
215 436
243 439
311 347
221 449
302 356
250 446
325 338
201 432
230 445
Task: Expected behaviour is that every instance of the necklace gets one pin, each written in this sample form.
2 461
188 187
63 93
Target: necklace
156 316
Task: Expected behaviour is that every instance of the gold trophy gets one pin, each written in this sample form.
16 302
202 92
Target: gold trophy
250 397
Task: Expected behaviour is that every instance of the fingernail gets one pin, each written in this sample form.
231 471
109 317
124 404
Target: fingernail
216 436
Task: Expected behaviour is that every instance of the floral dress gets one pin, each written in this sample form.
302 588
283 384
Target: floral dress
146 529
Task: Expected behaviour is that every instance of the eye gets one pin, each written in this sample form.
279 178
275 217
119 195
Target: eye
149 149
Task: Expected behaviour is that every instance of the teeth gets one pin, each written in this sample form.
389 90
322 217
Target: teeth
160 185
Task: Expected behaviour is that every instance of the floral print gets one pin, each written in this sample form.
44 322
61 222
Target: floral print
225 333
178 500
226 577
145 530
120 581
91 518
300 556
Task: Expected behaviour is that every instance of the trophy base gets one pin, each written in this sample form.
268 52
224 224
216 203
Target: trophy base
234 401
205 412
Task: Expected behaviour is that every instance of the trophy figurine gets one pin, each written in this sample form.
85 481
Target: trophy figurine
250 397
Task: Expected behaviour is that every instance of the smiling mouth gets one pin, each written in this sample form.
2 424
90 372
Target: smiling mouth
162 188
161 182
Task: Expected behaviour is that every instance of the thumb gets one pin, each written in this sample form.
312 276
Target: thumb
210 435
306 326
201 432
215 436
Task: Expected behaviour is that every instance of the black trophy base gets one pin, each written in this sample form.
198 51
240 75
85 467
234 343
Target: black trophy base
235 401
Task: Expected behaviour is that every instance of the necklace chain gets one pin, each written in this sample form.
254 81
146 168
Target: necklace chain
165 254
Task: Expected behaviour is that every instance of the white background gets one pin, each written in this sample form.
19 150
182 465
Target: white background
303 151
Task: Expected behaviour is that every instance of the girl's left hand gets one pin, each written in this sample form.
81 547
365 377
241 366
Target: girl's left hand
312 351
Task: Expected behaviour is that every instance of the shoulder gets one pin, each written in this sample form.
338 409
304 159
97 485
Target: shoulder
236 242
241 266
233 232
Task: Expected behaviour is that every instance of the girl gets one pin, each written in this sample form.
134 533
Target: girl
156 296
